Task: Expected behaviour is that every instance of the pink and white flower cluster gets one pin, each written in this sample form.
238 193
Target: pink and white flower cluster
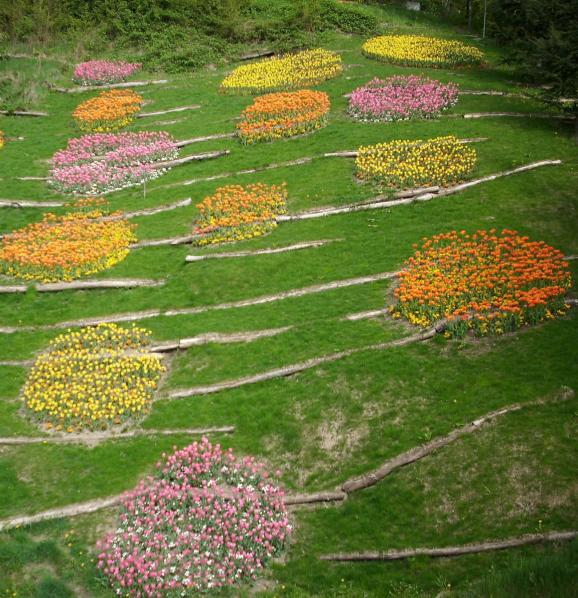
207 521
401 98
101 72
104 162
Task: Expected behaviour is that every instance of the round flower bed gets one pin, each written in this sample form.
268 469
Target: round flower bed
105 162
92 378
423 51
404 164
62 248
487 282
206 521
234 212
401 98
109 111
283 114
102 72
289 71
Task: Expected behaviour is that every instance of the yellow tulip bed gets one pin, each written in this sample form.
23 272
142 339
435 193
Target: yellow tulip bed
289 71
423 51
92 378
235 213
283 114
109 111
62 248
404 164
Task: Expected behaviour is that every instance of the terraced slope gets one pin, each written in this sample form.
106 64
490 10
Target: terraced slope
339 418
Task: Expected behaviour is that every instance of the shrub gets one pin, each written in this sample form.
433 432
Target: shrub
401 98
419 50
208 520
402 164
105 162
92 378
289 71
283 114
109 111
101 72
62 248
487 282
234 212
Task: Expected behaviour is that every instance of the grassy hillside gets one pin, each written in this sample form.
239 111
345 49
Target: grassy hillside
515 476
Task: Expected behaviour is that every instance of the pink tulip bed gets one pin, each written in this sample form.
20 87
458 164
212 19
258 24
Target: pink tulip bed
102 72
401 98
104 162
206 521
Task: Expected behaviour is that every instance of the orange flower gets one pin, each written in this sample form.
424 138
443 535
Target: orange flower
109 111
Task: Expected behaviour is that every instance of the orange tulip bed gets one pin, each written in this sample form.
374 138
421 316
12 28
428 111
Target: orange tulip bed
284 114
62 248
109 111
235 212
486 282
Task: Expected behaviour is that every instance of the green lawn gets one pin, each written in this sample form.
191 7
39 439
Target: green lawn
515 476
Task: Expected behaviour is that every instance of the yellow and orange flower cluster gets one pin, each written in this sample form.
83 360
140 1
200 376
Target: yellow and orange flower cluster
283 114
109 111
403 163
290 71
487 282
93 378
62 248
235 213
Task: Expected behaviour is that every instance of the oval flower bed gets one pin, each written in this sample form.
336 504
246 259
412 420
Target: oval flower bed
105 162
92 379
402 164
206 521
487 282
283 114
235 213
420 50
109 111
401 98
102 72
289 71
62 248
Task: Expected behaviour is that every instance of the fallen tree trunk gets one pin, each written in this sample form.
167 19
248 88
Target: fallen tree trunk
82 88
185 142
96 437
472 115
183 203
168 111
267 251
84 285
451 551
153 313
193 158
364 315
24 203
415 454
23 113
314 497
258 54
296 368
184 240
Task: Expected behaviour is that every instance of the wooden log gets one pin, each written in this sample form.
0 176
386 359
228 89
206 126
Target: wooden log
342 154
185 142
83 88
23 113
257 54
193 158
474 115
184 240
419 452
296 368
314 497
154 313
452 551
85 285
31 178
182 203
169 111
267 251
24 203
96 437
364 315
